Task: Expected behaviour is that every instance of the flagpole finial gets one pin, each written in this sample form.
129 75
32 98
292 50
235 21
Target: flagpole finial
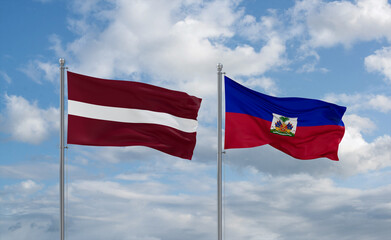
219 67
62 61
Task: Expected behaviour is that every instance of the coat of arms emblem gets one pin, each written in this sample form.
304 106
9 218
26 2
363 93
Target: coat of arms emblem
283 125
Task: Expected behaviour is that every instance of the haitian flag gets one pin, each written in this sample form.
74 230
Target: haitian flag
105 112
302 128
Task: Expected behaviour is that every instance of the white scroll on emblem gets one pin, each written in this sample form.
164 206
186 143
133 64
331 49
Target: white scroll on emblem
283 125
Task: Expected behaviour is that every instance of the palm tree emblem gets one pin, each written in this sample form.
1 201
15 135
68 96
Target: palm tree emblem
283 125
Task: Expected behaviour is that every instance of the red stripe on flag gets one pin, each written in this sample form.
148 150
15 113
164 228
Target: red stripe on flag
243 131
128 94
93 132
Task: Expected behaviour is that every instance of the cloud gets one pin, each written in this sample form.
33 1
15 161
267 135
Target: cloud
26 122
178 46
358 155
37 226
179 201
147 206
311 67
381 103
135 176
380 62
5 76
360 102
34 171
265 83
295 207
38 71
344 22
365 125
301 207
24 188
264 29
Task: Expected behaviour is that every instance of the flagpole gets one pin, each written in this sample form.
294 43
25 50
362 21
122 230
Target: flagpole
219 153
62 217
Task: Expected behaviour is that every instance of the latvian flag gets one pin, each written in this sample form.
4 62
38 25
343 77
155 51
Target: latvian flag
123 113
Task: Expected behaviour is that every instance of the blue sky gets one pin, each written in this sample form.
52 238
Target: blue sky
337 51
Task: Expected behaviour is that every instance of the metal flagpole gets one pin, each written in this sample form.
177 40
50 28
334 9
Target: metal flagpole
219 153
62 217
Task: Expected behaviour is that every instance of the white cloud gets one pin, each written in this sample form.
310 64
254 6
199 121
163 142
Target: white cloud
365 125
38 71
380 61
264 29
360 102
359 156
344 22
26 122
179 50
302 207
352 101
135 176
265 83
5 76
381 103
35 171
319 23
24 188
244 60
311 67
295 207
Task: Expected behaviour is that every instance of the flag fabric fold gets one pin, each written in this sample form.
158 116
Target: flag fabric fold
104 112
302 128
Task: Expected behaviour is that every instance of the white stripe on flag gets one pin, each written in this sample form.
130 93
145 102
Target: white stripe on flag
129 115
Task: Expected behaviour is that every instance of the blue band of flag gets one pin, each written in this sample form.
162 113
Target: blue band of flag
310 112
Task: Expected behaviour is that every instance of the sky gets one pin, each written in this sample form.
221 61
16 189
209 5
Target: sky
337 51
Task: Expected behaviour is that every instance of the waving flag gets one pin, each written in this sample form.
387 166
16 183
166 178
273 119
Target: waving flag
303 128
123 113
